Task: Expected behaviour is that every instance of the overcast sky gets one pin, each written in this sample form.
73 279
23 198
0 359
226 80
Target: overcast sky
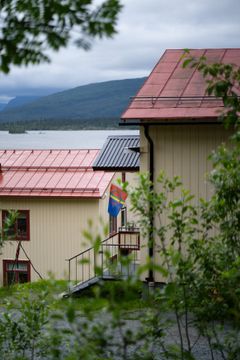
145 29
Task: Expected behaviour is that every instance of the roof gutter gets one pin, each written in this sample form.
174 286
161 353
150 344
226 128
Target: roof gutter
169 123
150 278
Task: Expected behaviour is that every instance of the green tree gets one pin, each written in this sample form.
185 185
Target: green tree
29 28
223 81
8 223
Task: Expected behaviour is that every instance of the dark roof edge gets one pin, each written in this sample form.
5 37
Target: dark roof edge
120 136
116 169
159 122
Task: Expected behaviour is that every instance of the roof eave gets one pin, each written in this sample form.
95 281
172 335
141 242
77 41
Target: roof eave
48 196
116 169
170 121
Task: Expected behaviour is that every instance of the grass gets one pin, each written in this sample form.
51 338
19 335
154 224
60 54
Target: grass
51 287
124 296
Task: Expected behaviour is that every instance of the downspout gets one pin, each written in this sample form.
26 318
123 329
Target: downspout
150 278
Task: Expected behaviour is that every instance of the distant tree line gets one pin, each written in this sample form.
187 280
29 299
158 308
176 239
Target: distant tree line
61 124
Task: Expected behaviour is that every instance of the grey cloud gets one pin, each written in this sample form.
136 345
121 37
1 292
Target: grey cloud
146 29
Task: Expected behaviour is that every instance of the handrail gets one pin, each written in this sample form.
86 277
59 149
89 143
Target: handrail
84 264
83 252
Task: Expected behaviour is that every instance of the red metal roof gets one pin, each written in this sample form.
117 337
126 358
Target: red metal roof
51 173
172 92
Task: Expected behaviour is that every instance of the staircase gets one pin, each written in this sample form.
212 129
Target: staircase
117 258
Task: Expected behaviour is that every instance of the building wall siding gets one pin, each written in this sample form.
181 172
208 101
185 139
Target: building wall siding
56 227
182 151
132 179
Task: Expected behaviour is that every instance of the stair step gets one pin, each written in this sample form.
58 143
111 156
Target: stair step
106 276
83 285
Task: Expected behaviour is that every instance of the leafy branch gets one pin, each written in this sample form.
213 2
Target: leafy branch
29 28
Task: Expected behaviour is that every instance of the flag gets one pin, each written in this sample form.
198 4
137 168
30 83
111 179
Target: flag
116 200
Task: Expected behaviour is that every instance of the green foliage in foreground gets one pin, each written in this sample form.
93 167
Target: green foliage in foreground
51 287
8 223
30 29
200 301
124 294
36 323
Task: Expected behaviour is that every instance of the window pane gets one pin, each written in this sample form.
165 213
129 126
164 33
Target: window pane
22 266
20 229
11 230
11 277
17 266
124 216
22 225
22 277
11 266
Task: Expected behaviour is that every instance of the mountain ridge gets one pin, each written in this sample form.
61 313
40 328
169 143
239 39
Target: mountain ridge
102 100
19 101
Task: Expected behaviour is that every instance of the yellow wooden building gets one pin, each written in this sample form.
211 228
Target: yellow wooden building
55 193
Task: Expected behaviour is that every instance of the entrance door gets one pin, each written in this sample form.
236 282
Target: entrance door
112 225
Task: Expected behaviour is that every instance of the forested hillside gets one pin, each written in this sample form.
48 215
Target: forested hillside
20 101
89 106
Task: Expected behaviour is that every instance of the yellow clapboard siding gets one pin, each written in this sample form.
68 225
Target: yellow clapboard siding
56 227
182 151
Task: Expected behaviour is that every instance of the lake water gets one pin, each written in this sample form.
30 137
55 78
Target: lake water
82 139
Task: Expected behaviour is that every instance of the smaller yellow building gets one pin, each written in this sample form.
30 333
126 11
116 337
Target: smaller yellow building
55 193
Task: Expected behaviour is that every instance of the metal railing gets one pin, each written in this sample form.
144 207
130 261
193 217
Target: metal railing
118 256
180 100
